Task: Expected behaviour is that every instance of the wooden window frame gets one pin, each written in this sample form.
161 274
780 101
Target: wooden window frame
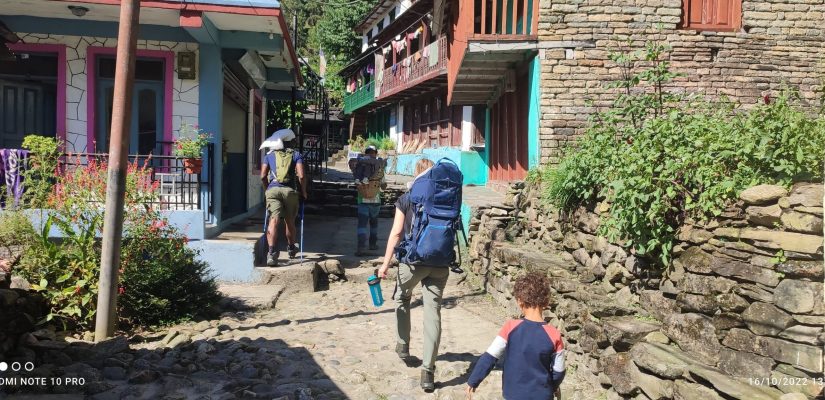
734 24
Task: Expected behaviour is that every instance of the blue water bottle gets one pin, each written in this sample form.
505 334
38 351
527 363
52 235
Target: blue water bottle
375 290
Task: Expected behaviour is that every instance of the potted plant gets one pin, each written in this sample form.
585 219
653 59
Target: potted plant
189 146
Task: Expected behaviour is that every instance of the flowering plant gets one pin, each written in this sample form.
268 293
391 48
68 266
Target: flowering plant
191 141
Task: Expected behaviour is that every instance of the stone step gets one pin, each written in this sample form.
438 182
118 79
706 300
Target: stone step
295 278
249 297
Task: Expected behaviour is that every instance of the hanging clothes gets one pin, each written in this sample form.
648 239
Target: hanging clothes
11 175
433 50
399 46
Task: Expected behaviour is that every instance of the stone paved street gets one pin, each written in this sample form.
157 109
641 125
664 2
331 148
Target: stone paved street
331 344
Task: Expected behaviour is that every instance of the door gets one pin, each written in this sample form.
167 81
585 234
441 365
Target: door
146 129
28 98
25 109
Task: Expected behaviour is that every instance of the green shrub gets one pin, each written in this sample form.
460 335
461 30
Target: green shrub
358 144
658 158
387 144
374 142
66 272
44 155
16 233
162 281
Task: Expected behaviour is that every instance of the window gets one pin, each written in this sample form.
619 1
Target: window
712 15
392 14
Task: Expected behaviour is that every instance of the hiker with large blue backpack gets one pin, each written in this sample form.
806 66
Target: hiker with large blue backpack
424 240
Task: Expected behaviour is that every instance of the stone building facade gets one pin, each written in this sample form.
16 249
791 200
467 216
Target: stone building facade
184 92
776 43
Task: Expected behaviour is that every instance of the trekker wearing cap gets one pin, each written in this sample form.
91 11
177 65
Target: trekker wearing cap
282 168
369 180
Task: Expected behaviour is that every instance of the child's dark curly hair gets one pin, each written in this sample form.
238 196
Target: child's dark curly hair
533 290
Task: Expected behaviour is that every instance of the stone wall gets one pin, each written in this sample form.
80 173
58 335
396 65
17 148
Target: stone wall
740 313
20 310
781 42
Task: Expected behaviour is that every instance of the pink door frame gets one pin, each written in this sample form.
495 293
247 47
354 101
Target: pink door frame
92 52
60 103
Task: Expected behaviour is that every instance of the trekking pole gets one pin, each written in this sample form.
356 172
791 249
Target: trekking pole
302 233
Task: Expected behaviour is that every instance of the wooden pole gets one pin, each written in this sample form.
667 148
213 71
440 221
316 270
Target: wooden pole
118 164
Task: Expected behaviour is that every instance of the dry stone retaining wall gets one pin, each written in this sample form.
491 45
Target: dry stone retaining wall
781 42
740 314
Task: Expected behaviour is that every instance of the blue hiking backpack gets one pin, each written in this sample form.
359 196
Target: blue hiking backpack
436 200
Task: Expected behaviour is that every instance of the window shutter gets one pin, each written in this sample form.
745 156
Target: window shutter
720 15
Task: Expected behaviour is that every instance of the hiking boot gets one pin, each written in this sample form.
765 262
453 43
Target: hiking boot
427 381
272 260
293 249
403 351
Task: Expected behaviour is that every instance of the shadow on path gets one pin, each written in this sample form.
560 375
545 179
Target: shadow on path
208 368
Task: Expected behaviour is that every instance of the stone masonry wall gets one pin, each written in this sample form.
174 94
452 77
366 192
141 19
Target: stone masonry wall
782 42
739 315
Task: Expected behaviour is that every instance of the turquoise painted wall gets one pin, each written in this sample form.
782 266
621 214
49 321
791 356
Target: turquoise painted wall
210 119
533 148
471 163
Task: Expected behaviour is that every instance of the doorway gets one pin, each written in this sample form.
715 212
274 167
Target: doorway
28 98
147 129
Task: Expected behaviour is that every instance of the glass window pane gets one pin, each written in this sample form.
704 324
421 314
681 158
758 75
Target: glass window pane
147 121
145 69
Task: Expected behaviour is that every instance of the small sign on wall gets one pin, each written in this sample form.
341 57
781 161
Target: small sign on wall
187 65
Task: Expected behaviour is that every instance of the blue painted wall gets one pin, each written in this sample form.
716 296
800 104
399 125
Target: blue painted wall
228 261
533 147
210 119
471 163
189 223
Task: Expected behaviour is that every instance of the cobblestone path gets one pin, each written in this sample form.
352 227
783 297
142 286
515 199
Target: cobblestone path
325 345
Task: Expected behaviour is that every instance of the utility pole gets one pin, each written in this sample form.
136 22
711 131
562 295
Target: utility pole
106 318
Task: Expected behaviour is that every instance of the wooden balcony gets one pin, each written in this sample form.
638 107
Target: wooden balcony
416 74
489 38
360 98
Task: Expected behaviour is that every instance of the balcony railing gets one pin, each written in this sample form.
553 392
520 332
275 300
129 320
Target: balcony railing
419 67
359 98
490 20
500 19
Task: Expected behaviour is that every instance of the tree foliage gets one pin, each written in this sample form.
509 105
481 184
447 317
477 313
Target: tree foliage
328 25
658 158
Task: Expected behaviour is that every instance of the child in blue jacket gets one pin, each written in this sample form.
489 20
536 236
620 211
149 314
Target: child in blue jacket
532 349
